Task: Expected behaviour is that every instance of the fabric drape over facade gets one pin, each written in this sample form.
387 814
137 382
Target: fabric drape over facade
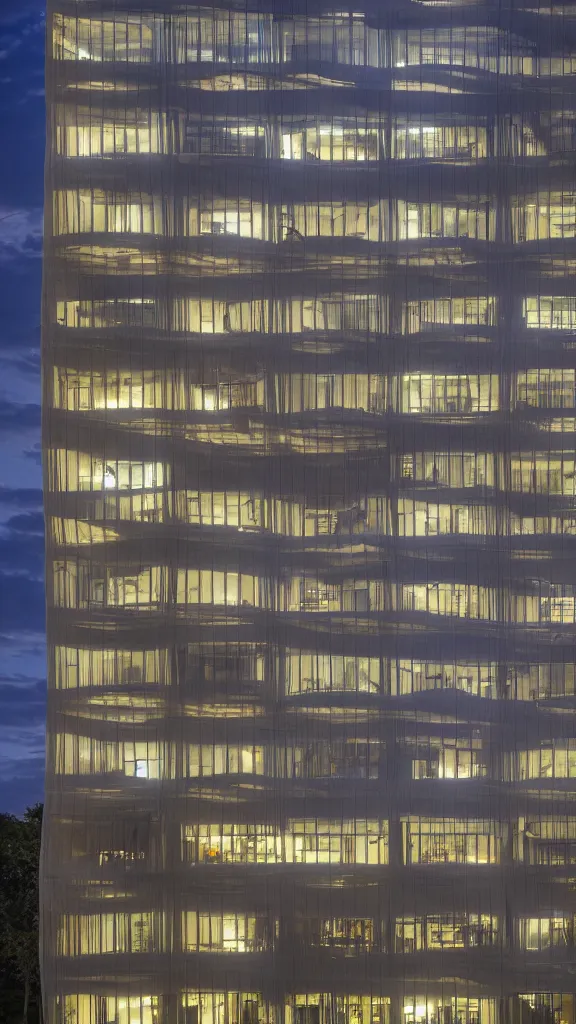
310 471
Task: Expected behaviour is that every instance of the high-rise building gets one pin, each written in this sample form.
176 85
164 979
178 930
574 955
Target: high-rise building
309 433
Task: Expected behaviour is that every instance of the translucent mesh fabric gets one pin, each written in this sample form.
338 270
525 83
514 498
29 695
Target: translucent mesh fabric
310 468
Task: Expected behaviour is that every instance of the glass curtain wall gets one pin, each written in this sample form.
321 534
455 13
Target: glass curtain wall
310 472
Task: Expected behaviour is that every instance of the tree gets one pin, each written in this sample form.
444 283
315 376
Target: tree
19 968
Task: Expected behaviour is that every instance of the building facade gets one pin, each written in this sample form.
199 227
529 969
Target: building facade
309 436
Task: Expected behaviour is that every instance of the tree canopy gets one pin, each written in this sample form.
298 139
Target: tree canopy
20 1001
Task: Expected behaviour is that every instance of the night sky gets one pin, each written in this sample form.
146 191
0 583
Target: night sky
22 647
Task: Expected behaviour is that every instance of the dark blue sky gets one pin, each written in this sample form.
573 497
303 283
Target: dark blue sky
22 649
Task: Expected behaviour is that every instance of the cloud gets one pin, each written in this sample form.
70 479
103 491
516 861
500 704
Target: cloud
22 616
20 233
22 724
23 706
19 744
22 547
16 417
28 523
14 11
26 362
22 654
22 606
25 20
34 453
23 556
20 681
23 497
22 748
25 787
20 292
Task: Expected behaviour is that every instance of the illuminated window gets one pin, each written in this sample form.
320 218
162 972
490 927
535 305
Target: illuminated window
309 671
334 220
560 66
449 469
550 312
473 678
237 509
95 934
203 586
87 211
549 842
207 316
417 141
350 935
463 600
526 525
321 1008
82 755
224 664
546 932
315 595
424 519
234 394
447 394
348 141
309 841
545 1006
334 313
553 473
124 39
449 758
108 313
334 842
446 931
440 220
90 1009
142 760
547 389
555 1006
430 314
560 126
339 759
225 932
221 36
541 682
518 137
225 759
487 48
233 844
301 391
558 604
94 133
339 39
551 762
424 1009
129 390
228 217
450 841
550 215
225 138
76 587
75 531
97 667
